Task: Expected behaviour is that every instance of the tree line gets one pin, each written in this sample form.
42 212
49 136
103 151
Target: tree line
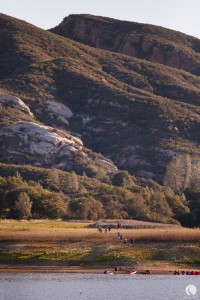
66 195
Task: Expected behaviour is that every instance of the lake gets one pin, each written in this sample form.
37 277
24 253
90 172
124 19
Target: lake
97 287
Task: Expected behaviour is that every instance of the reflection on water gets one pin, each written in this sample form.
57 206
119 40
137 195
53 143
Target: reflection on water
95 287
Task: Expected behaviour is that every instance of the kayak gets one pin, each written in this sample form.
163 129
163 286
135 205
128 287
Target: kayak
132 272
193 273
187 273
147 272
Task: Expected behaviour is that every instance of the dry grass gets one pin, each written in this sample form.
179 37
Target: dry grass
164 235
135 224
13 225
81 232
71 235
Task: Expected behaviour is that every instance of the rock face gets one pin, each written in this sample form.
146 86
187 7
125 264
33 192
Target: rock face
149 42
58 110
29 142
14 102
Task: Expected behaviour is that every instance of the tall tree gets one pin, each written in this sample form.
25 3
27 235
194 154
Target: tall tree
23 206
178 173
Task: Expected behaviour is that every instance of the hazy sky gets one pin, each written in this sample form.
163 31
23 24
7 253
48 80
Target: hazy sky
181 15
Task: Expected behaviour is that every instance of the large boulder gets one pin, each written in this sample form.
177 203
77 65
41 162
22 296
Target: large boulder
58 110
14 102
39 145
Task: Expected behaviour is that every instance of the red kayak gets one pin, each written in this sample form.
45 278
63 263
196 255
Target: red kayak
193 273
187 273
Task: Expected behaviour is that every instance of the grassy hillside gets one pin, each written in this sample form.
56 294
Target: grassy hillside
137 113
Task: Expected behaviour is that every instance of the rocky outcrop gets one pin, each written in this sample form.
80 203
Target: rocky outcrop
149 42
59 111
39 145
14 102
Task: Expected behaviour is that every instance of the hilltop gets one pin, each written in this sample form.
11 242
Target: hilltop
149 42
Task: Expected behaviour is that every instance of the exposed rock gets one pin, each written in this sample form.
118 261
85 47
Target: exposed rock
157 55
127 47
147 44
61 111
29 142
12 101
62 120
167 47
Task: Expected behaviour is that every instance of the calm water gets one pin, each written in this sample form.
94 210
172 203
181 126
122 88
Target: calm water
96 287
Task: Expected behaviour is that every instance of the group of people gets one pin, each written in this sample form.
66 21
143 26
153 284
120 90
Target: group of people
119 234
125 240
106 229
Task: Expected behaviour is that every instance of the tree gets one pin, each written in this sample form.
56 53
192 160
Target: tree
195 179
69 183
178 174
53 179
115 210
122 178
23 206
52 206
87 208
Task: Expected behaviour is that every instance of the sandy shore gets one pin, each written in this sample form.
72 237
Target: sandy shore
19 268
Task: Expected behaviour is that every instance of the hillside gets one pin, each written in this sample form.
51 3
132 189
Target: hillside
136 112
144 41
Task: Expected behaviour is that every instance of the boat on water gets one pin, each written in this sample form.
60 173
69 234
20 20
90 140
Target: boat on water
186 273
147 272
108 272
132 272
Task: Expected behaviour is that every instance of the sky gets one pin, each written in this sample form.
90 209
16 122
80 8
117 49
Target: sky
180 15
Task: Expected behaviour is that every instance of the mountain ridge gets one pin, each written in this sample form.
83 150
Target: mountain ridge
151 110
146 41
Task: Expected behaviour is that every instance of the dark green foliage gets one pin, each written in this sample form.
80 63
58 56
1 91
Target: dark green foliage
86 208
192 219
81 197
17 193
23 206
122 178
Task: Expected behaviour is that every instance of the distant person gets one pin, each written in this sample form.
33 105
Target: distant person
109 228
125 242
132 241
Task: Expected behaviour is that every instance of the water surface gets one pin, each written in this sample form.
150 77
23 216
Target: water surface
96 287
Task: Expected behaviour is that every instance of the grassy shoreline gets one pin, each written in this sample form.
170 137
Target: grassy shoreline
50 246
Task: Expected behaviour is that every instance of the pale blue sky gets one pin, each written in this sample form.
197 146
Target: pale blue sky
181 15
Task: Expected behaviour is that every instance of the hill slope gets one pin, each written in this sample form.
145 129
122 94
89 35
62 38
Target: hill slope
149 42
133 110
